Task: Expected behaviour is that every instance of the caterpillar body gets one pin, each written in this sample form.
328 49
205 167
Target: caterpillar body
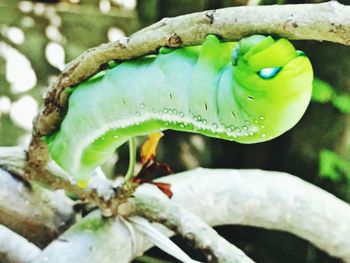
249 92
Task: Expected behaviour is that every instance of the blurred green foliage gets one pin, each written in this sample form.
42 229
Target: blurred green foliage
332 166
323 92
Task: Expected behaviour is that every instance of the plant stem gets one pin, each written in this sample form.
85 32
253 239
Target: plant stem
132 160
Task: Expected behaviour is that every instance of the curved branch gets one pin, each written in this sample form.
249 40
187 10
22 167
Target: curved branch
327 21
15 248
13 160
267 199
191 227
271 200
37 214
96 239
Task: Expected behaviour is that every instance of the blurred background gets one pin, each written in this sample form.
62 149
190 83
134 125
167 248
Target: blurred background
37 39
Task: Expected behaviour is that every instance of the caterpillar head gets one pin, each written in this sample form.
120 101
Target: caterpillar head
274 79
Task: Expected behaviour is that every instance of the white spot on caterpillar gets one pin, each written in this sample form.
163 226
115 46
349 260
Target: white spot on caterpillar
196 122
263 135
262 118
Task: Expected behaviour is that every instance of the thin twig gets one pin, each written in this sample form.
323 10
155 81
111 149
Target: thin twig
132 160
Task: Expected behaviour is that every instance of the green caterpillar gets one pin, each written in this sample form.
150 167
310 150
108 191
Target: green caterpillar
249 92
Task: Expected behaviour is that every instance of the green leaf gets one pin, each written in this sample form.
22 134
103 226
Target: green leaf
342 102
322 92
332 166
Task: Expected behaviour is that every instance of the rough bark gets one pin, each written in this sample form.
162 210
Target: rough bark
36 214
16 249
271 200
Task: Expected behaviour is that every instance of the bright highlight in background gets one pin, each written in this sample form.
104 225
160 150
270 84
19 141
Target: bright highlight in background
115 34
19 72
55 55
23 111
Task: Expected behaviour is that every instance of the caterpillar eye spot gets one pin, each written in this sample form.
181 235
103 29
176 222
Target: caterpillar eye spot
206 106
268 73
250 98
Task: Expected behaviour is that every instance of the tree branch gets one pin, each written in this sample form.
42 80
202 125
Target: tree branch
35 213
13 160
249 197
189 226
271 200
16 249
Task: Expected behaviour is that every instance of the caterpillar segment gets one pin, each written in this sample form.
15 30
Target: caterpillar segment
248 92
